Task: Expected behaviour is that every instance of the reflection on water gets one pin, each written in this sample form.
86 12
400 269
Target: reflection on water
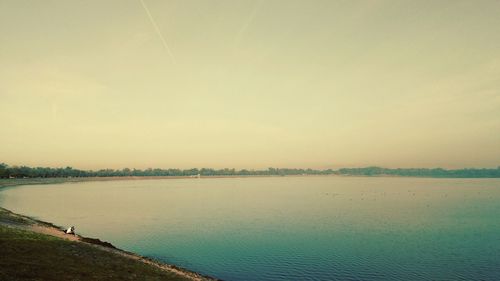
288 228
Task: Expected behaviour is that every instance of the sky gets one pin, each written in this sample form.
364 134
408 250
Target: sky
250 84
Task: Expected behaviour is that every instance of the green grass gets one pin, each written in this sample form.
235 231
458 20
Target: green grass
8 217
26 255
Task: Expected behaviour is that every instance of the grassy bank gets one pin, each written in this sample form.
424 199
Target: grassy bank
27 255
35 250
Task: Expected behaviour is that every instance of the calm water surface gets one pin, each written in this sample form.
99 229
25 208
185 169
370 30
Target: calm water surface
288 228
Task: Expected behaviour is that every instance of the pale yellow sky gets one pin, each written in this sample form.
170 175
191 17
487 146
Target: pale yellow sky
250 84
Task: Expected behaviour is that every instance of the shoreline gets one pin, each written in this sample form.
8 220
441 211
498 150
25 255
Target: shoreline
13 220
31 224
10 219
13 182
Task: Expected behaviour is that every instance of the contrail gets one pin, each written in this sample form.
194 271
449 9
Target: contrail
249 21
157 29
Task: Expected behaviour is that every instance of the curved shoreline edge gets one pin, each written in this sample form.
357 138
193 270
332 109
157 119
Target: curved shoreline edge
13 220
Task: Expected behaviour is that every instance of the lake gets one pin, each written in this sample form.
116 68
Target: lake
288 228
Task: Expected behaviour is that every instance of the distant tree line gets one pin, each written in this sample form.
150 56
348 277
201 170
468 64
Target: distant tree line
422 172
46 172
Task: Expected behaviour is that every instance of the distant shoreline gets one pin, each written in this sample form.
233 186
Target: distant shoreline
4 183
13 182
56 180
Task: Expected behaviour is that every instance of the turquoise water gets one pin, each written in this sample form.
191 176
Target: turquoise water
288 228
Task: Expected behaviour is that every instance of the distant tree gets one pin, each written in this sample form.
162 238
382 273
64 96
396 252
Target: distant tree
3 170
